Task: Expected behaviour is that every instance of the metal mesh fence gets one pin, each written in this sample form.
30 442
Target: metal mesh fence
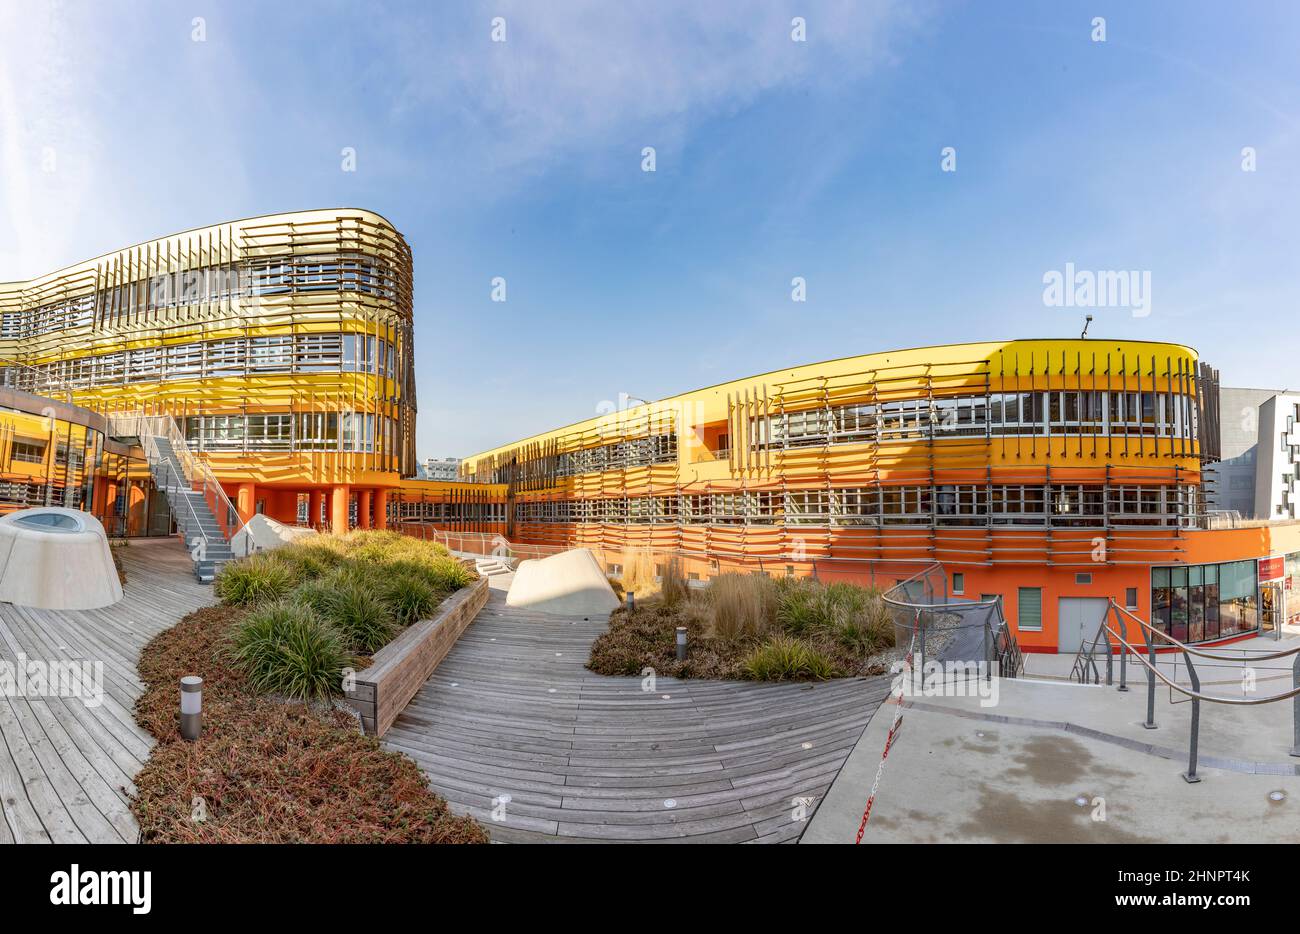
942 628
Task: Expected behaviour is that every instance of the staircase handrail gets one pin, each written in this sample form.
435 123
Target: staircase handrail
1195 693
1085 661
150 445
1202 653
197 472
42 383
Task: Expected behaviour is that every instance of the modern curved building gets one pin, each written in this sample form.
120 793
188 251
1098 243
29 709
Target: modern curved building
267 364
1052 474
280 345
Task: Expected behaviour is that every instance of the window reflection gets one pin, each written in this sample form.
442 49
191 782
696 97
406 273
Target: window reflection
1209 601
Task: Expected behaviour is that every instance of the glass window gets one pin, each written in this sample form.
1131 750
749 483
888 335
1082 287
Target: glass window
1161 598
1205 602
1196 604
1211 601
1178 610
1237 604
1029 608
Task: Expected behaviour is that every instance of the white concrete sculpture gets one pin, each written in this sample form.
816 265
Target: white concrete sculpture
568 584
53 558
262 533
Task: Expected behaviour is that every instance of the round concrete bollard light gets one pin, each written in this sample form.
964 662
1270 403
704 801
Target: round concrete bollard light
191 707
681 643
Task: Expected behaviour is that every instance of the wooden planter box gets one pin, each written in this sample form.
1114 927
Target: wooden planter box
400 668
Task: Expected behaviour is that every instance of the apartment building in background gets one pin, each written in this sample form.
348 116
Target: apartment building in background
1278 459
442 468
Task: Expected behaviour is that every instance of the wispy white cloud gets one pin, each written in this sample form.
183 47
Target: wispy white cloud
575 77
48 139
114 127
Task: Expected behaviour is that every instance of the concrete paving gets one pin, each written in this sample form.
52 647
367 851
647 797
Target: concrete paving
1017 771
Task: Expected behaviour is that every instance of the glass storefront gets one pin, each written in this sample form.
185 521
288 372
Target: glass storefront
1291 587
1205 601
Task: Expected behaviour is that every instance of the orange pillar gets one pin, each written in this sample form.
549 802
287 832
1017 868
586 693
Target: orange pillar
315 500
135 523
381 509
98 496
339 508
106 510
246 501
363 509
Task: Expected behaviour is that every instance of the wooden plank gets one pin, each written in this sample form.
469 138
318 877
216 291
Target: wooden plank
400 668
66 767
512 710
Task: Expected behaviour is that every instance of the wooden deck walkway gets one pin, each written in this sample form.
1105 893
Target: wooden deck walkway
66 768
583 757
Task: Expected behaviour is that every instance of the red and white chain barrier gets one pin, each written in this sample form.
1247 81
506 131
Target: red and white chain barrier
893 731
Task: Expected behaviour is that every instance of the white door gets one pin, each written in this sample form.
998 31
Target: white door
1077 619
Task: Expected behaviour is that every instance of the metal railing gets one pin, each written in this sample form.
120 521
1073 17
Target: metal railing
196 475
881 573
36 382
1147 658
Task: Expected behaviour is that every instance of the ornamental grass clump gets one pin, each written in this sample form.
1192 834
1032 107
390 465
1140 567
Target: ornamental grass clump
311 560
750 626
743 605
258 579
673 588
783 658
411 597
366 585
356 610
284 648
449 574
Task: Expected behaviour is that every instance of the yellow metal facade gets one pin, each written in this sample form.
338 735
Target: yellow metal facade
1030 468
281 345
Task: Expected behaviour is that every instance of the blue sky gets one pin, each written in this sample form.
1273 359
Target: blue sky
774 159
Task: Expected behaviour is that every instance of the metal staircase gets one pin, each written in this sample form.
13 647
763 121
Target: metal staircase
189 485
208 547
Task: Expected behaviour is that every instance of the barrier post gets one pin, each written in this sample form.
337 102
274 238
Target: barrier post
1190 775
1104 637
1123 651
1150 723
1295 707
920 633
988 650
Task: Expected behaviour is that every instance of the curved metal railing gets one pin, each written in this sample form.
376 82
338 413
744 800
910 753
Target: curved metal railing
1085 664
